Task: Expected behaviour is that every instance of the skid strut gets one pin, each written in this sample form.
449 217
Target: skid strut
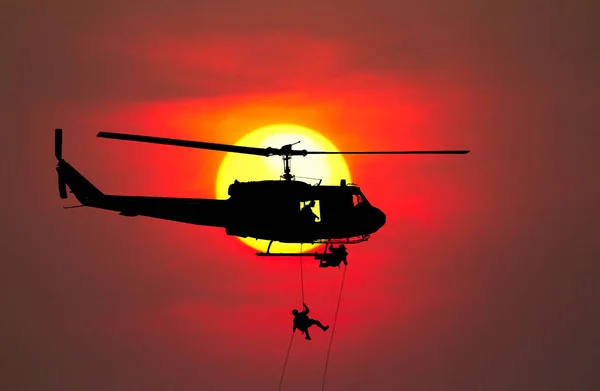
269 254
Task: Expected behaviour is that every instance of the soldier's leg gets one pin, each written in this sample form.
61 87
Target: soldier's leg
318 324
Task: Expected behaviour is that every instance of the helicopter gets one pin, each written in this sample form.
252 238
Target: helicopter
271 210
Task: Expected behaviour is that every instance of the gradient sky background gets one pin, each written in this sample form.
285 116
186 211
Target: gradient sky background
484 278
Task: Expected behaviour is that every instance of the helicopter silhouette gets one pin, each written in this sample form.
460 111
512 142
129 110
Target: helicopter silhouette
268 209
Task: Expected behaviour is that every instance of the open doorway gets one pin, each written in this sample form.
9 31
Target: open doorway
316 208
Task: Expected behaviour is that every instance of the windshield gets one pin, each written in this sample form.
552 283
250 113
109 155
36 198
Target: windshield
359 198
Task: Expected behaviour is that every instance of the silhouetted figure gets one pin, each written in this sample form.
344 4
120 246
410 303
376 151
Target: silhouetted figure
336 256
307 213
302 322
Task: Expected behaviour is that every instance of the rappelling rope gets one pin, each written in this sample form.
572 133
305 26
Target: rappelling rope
337 310
301 274
287 356
286 360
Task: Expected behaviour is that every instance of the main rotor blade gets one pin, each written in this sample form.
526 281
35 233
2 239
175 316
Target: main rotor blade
438 152
189 144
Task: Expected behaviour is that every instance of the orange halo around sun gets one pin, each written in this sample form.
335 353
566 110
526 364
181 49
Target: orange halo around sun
330 168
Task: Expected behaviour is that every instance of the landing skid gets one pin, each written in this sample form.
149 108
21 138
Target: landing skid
354 240
328 242
287 254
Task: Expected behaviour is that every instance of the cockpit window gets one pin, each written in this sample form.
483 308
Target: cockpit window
357 199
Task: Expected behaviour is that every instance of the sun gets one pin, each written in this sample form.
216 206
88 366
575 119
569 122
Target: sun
330 168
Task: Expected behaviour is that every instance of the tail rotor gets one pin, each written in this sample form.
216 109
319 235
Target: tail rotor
58 144
62 187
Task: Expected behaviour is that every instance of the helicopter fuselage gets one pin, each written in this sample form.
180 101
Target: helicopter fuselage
275 210
269 210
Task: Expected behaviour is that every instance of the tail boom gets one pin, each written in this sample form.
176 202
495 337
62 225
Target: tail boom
197 211
187 210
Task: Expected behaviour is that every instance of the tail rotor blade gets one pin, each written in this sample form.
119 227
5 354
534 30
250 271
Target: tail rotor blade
58 144
62 186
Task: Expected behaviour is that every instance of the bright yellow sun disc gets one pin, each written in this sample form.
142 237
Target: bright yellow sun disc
330 168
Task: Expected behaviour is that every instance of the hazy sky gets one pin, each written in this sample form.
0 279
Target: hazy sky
484 278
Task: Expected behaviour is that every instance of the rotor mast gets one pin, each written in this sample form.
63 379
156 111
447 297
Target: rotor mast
286 155
286 168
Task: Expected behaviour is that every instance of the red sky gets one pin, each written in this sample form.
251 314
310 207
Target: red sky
483 278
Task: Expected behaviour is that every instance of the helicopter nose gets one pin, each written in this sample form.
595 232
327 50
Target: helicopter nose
378 218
